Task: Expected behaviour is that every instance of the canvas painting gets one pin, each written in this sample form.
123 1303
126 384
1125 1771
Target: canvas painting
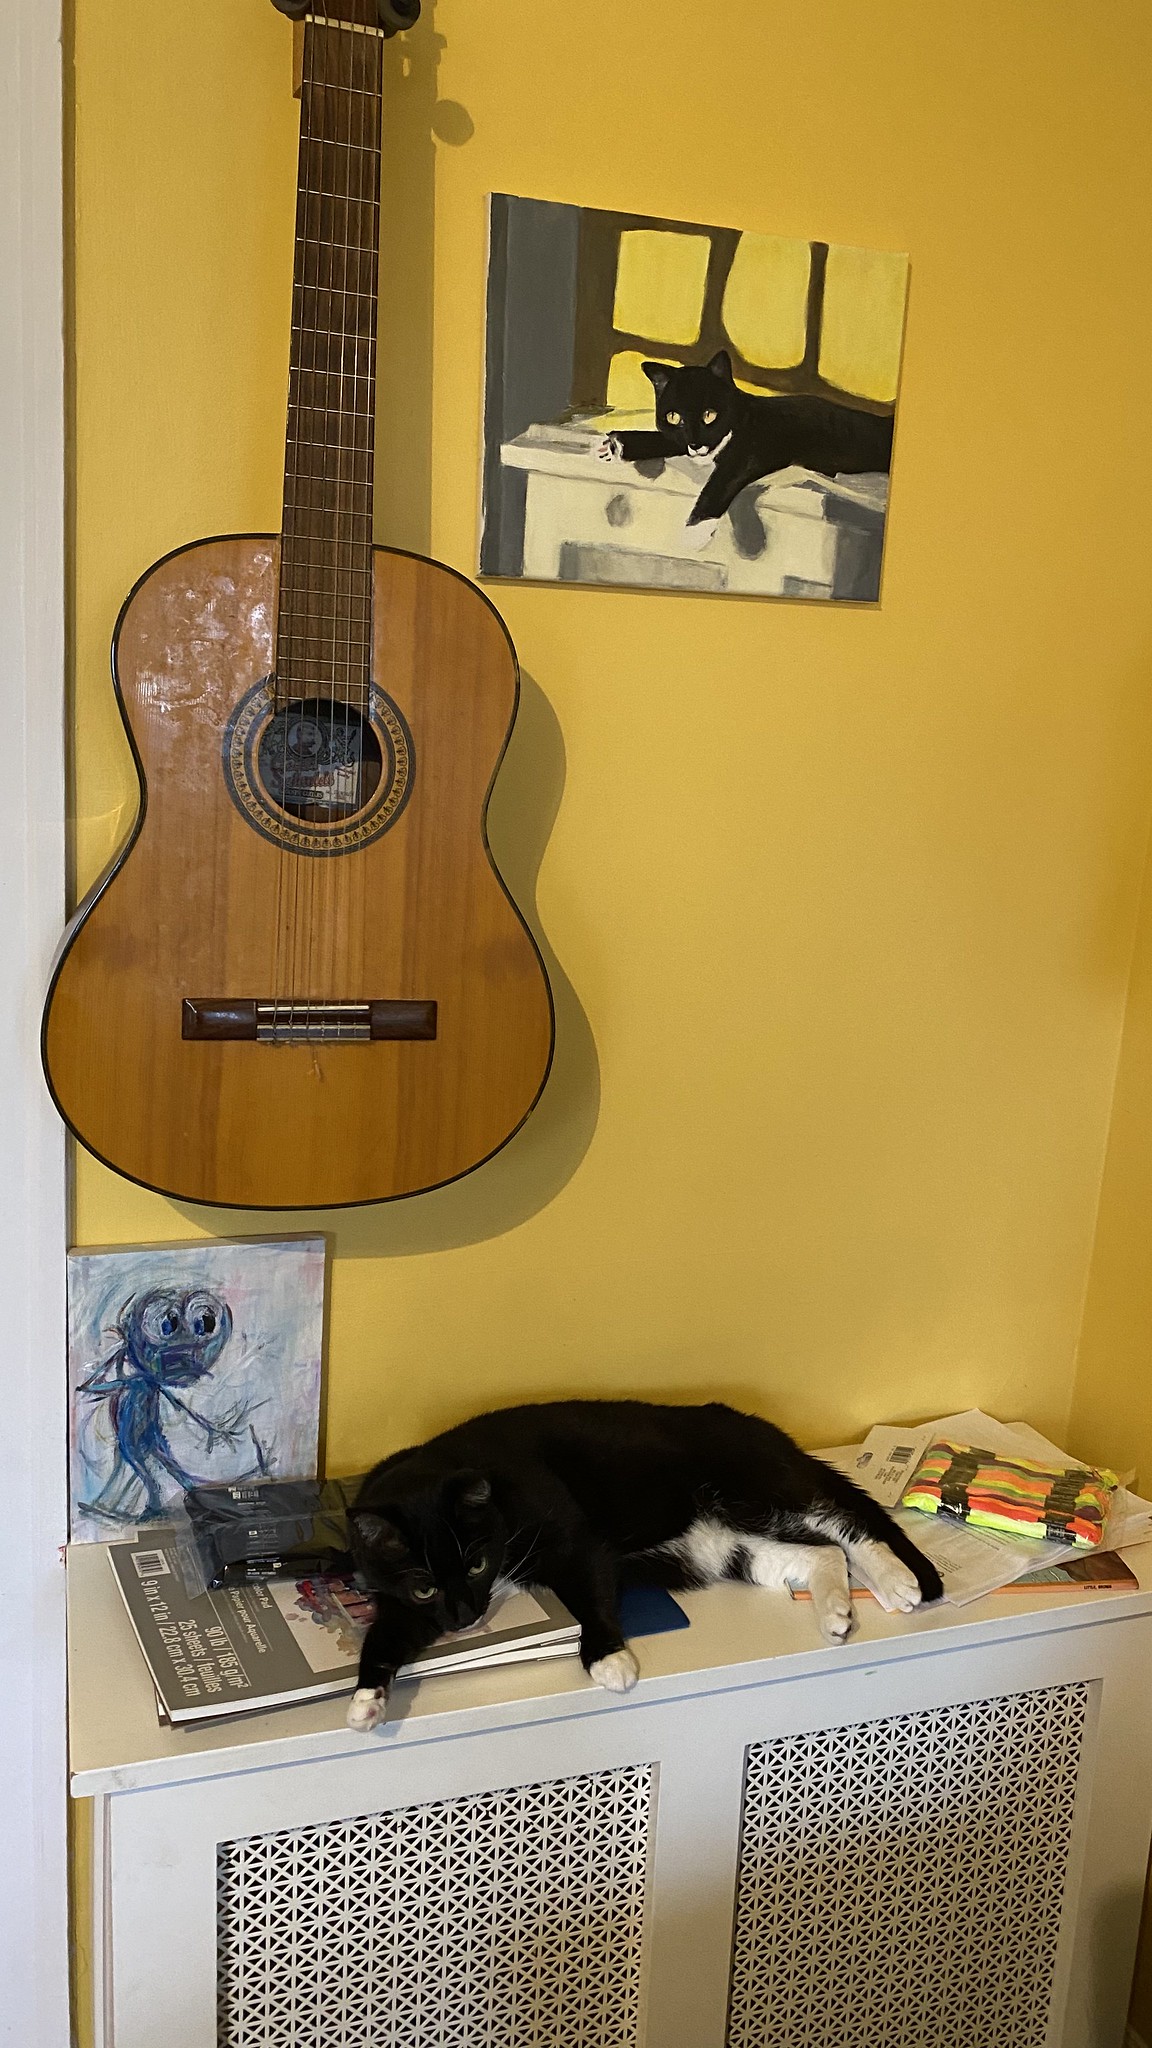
189 1363
686 407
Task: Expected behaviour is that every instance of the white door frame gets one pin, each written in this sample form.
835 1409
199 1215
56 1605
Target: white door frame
33 1217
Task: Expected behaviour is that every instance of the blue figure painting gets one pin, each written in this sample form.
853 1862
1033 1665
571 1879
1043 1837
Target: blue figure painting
167 1340
212 1372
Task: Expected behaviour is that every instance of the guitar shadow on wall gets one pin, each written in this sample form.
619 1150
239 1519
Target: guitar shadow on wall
415 120
533 1166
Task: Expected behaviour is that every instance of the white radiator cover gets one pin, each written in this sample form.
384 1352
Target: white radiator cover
935 1837
904 1881
497 1922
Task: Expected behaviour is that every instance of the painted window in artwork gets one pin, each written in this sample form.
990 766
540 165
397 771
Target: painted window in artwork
660 280
628 388
863 320
765 305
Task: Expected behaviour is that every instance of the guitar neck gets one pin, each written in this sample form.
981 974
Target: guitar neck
324 626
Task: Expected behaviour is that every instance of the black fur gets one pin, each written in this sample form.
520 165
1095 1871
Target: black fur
701 405
572 1495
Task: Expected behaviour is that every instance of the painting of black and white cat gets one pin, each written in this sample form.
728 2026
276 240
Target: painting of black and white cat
701 411
582 1496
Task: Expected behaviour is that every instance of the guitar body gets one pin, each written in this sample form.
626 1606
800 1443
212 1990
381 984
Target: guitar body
234 893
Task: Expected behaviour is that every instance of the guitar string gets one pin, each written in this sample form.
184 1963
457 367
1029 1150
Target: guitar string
368 215
323 592
338 502
298 553
349 49
339 229
287 610
363 365
353 575
319 585
312 115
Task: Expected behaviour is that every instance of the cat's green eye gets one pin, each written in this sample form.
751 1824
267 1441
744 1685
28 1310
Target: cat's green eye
423 1592
673 419
709 418
478 1567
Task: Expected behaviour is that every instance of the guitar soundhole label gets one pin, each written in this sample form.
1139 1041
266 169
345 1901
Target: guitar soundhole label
316 775
320 761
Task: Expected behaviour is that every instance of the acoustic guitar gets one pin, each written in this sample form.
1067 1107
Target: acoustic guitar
303 982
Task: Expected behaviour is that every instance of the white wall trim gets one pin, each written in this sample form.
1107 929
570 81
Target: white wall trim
33 1495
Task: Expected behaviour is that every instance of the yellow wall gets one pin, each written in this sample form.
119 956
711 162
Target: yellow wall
847 896
1112 1397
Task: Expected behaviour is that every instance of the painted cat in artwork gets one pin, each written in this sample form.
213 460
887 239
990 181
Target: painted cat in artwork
701 411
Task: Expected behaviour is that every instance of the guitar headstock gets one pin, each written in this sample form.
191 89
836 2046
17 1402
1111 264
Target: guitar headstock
390 16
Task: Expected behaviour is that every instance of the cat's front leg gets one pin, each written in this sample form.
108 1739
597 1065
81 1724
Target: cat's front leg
395 1637
633 447
587 1586
721 490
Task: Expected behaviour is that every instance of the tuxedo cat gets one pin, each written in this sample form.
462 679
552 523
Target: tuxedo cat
580 1495
701 411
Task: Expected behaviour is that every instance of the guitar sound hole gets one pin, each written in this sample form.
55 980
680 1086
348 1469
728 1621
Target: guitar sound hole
320 760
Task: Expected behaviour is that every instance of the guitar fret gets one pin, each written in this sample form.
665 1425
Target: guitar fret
308 540
356 648
324 242
335 334
330 370
317 143
334 585
348 509
354 593
339 292
292 668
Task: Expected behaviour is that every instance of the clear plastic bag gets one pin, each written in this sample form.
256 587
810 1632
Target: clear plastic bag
264 1529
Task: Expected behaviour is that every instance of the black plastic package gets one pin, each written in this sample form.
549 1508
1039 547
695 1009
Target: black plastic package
265 1529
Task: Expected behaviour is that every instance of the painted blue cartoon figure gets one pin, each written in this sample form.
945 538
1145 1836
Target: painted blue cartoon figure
169 1339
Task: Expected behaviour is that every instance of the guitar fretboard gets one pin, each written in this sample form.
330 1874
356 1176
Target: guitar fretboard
324 627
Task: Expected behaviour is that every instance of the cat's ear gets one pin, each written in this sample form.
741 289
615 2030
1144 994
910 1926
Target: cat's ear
377 1534
658 374
721 365
470 1489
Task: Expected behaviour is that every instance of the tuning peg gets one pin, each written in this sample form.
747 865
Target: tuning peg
397 15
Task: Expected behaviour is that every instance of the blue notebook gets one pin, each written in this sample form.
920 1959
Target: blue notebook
649 1611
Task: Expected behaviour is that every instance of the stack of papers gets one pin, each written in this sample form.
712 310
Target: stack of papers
972 1562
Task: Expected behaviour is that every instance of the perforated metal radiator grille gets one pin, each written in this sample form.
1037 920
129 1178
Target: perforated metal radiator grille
509 1920
901 1882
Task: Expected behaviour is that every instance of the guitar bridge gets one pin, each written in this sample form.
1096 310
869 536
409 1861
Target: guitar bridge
281 1022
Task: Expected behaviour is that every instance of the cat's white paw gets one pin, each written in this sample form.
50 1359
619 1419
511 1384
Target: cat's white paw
616 1673
896 1588
832 1596
609 449
700 536
366 1707
835 1618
